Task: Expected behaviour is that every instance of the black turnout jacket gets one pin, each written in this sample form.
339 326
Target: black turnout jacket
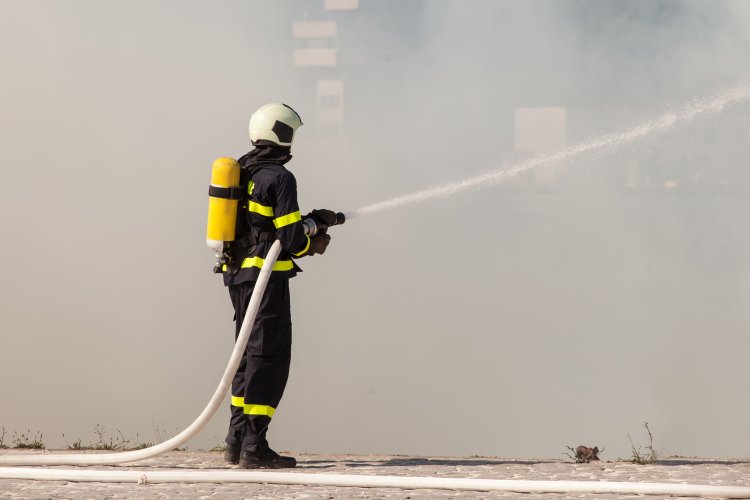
270 206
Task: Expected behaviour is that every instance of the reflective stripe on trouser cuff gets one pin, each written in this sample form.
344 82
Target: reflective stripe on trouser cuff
307 247
260 209
287 219
251 409
260 410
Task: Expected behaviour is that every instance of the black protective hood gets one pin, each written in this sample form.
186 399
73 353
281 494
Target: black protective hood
264 154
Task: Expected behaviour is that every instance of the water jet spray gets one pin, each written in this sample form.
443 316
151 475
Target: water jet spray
684 114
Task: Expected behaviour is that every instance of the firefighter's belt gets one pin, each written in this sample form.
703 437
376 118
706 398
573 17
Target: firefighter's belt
240 248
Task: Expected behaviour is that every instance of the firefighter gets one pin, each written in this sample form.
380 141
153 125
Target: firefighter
268 212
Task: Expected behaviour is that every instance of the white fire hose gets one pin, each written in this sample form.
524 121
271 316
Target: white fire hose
192 429
345 480
361 481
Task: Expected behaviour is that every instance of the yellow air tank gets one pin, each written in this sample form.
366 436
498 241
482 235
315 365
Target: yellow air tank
223 195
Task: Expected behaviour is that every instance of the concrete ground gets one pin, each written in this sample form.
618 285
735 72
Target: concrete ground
693 471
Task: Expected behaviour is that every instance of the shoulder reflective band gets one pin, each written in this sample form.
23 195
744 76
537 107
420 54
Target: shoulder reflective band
239 402
230 193
260 209
287 219
307 247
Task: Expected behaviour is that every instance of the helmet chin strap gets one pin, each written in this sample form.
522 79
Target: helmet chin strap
266 143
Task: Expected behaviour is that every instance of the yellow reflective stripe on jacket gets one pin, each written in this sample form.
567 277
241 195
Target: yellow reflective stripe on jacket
251 409
259 410
279 265
260 209
287 219
307 247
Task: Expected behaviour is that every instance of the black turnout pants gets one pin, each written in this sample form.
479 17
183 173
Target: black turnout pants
263 372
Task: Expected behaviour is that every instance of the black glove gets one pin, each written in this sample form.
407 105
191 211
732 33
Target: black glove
326 217
318 244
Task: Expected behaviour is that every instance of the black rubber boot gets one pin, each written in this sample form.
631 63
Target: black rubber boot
234 442
265 459
232 453
256 453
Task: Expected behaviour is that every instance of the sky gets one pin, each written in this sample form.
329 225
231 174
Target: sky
567 306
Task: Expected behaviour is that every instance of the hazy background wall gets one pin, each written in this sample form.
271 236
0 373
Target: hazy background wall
613 291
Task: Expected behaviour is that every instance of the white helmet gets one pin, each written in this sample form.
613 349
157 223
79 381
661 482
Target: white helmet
276 123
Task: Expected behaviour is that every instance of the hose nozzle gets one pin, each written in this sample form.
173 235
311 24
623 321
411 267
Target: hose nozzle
314 224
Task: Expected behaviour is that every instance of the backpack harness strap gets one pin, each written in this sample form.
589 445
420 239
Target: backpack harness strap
230 193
